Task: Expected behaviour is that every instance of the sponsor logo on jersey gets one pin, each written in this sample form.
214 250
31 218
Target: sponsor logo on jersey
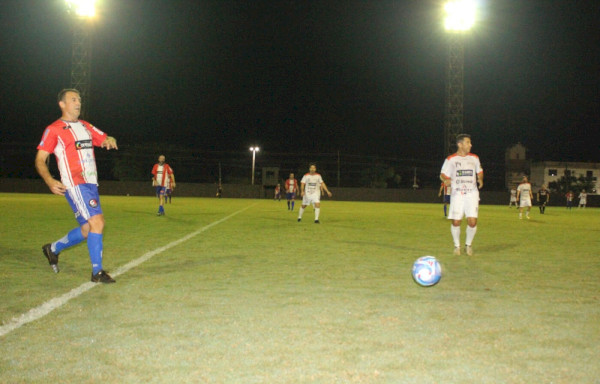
93 203
83 144
464 172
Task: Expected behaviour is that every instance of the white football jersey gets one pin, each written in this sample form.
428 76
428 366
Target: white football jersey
462 171
312 184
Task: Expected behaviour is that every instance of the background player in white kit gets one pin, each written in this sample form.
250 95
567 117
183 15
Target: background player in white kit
462 171
310 190
582 199
524 196
513 197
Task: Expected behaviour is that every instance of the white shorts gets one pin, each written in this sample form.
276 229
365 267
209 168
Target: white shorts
525 203
513 199
463 205
311 199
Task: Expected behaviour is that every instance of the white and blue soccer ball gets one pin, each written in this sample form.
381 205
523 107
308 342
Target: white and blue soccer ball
427 271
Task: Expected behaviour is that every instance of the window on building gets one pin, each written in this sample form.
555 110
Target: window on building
552 172
589 174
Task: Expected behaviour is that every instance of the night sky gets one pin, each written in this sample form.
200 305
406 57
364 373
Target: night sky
363 77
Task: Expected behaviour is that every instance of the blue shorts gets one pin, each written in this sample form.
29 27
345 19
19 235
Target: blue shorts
290 196
168 191
161 191
84 201
447 199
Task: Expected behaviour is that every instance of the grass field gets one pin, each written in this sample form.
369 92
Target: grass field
261 298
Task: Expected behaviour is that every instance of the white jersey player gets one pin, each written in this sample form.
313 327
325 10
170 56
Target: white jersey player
462 171
524 196
582 199
513 197
310 189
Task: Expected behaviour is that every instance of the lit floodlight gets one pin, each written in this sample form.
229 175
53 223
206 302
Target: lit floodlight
460 15
82 8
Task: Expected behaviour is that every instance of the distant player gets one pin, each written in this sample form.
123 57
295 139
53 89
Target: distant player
277 195
310 190
582 199
447 191
72 141
524 195
462 171
291 188
164 179
570 195
513 197
543 198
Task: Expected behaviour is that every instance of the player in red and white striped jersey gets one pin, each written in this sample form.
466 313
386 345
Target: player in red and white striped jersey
72 141
164 179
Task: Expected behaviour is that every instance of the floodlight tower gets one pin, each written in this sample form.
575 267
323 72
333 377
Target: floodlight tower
460 17
254 150
81 12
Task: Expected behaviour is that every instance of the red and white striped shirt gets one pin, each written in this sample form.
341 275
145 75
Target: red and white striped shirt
162 174
72 142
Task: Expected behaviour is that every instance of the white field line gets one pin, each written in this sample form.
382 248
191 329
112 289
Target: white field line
57 302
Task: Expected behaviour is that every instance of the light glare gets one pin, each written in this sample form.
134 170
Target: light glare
82 8
460 15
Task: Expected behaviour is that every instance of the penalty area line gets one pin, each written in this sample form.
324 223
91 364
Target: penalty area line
57 302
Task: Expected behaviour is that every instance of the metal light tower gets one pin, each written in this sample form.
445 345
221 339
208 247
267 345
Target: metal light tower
254 150
81 11
460 17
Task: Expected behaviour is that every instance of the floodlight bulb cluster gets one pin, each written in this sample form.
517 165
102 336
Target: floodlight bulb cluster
82 8
460 15
254 149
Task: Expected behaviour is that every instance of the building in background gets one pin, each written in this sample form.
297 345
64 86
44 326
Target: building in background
516 164
545 172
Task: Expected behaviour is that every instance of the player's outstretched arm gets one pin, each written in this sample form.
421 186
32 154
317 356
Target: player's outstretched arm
55 186
324 186
109 143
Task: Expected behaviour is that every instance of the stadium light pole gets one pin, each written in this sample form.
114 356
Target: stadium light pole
254 150
459 19
81 12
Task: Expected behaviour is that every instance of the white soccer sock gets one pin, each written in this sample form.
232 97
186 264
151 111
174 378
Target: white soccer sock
455 231
300 212
317 211
471 231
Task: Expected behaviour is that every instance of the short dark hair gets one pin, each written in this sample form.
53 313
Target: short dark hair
461 136
61 94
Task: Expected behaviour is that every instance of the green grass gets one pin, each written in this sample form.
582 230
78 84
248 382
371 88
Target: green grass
260 298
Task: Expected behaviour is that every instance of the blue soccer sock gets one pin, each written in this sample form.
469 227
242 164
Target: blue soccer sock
293 205
94 243
72 238
445 213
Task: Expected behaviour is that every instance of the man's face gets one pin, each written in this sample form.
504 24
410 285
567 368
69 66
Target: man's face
312 169
465 145
291 176
161 160
71 104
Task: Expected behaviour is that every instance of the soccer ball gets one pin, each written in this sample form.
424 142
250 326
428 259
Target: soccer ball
427 271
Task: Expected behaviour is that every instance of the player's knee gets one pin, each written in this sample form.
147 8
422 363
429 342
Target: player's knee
96 223
85 230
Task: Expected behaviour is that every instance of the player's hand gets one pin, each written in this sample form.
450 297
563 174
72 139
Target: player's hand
109 143
57 187
329 194
447 182
173 186
480 183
